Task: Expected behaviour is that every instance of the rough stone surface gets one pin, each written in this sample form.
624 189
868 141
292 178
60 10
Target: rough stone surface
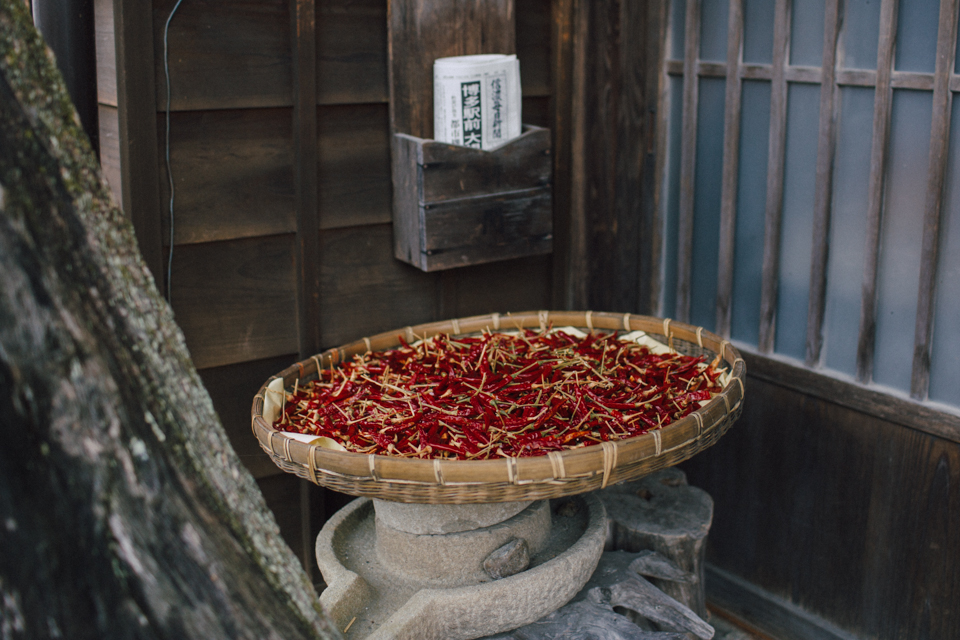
444 518
510 559
390 606
456 559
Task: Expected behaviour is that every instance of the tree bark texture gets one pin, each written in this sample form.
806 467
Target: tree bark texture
124 512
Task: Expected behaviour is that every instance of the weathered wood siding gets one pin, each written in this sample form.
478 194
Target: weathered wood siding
268 264
852 517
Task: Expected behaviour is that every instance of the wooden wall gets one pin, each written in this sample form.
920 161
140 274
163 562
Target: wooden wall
852 517
242 216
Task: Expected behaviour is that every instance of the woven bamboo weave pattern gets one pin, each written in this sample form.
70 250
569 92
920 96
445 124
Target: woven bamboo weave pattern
510 479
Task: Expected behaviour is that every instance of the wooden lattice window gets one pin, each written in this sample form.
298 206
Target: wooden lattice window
810 185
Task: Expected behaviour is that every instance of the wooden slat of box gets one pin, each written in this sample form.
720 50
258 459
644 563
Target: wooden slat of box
456 206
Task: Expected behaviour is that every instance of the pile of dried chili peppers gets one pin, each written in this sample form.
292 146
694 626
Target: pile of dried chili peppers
497 394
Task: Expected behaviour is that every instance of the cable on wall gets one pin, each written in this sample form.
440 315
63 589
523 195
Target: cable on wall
166 72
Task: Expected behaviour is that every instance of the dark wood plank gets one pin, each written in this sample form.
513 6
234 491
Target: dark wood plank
224 55
232 387
537 111
452 171
533 27
109 120
561 122
826 148
421 31
236 301
501 287
764 612
881 133
137 124
731 167
485 224
688 159
233 173
576 247
106 52
352 52
615 281
939 152
407 242
657 96
354 165
776 160
821 490
303 26
365 290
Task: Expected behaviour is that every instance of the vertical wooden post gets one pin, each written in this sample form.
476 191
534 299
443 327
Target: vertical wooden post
731 167
776 159
939 145
688 158
882 107
561 121
826 148
137 115
304 39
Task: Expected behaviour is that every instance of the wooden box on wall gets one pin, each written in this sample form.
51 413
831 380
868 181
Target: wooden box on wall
455 206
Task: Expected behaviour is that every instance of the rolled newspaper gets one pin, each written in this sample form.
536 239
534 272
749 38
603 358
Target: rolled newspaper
476 100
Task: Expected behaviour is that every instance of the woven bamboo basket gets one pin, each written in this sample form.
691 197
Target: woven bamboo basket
444 481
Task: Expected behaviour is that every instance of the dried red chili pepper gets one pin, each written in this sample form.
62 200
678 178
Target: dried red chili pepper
499 395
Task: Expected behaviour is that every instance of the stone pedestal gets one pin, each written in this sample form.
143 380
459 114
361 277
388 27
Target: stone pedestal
437 572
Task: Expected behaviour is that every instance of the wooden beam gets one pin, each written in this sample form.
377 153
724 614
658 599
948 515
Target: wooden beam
776 159
939 152
651 282
688 159
731 167
826 149
305 151
577 260
139 164
878 157
561 122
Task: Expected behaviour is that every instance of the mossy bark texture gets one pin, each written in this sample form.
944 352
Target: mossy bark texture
124 512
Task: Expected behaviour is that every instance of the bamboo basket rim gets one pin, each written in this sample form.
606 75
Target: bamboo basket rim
508 479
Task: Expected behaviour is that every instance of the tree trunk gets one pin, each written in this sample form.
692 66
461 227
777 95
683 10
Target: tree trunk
124 512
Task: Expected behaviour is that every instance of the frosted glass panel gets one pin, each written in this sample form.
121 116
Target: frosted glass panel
707 203
806 33
796 231
861 33
672 200
945 355
751 202
917 35
848 229
758 31
677 10
901 236
713 30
